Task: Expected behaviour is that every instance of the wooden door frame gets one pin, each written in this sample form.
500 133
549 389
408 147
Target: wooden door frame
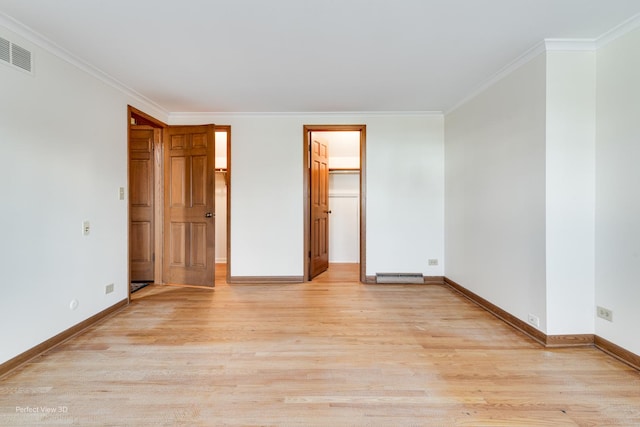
307 191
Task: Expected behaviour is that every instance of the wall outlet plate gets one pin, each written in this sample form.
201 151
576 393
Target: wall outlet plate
534 320
604 313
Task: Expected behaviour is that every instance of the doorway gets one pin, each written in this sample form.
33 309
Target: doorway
222 196
171 202
334 192
145 200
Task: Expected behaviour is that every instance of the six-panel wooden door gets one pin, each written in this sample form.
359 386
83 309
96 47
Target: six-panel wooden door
189 228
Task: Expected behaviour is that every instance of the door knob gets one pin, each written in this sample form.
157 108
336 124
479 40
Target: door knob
327 212
208 215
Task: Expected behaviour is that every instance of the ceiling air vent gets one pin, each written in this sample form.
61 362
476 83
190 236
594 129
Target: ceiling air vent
15 55
5 51
20 57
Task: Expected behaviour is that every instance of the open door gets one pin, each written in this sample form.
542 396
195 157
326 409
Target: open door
319 184
142 139
189 227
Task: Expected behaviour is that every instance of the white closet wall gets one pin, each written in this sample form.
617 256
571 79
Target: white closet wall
344 225
344 195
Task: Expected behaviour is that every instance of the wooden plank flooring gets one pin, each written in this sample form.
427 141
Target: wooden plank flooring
332 352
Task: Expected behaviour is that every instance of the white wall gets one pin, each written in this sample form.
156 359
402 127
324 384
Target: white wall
344 221
617 269
405 196
542 175
63 135
570 191
495 193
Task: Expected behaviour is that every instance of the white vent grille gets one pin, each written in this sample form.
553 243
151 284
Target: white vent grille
20 57
399 278
5 52
15 55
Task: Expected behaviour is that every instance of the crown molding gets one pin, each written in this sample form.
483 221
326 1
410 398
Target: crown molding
43 42
527 56
570 45
205 117
547 45
627 26
553 45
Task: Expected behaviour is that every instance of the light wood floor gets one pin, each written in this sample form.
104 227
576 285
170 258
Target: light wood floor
332 352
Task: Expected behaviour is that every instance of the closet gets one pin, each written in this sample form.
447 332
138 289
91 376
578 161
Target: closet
223 138
344 194
344 203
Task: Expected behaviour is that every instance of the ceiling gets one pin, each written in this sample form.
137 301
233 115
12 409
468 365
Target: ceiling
309 55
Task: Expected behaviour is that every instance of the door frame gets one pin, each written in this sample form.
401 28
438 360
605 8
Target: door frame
306 158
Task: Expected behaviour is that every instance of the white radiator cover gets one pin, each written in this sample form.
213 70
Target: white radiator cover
399 278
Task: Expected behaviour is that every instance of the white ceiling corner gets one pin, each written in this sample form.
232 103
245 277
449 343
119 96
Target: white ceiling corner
625 27
570 45
43 42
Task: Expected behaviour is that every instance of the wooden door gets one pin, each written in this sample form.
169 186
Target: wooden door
141 202
319 195
189 227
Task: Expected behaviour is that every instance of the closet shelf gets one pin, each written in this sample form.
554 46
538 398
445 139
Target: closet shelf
345 171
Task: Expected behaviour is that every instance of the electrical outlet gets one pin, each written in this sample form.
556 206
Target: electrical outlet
534 320
86 228
109 288
604 313
433 261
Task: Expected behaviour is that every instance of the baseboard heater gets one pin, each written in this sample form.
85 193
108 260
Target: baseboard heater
399 278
